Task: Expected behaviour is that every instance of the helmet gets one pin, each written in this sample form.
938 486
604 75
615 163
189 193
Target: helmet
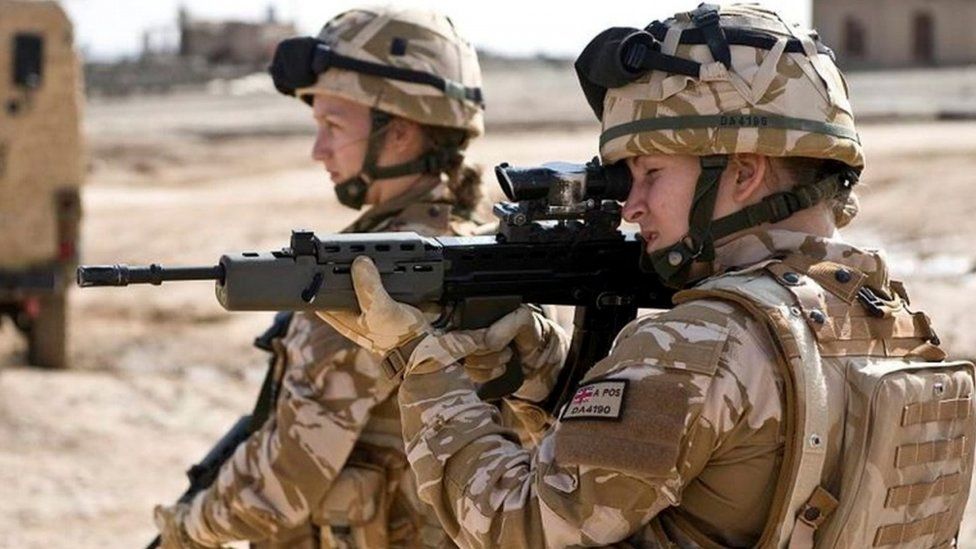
718 81
735 79
398 62
405 62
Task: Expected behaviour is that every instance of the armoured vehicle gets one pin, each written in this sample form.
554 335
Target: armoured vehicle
41 169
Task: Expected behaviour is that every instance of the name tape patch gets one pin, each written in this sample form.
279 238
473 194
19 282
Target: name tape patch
597 400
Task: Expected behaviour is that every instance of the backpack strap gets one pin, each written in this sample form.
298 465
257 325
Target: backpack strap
812 515
778 307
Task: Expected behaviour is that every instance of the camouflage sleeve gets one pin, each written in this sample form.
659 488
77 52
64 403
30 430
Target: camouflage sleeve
273 480
640 427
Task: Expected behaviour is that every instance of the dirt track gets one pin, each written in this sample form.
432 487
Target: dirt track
161 372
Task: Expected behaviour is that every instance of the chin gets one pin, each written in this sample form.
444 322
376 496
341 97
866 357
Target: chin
653 246
658 244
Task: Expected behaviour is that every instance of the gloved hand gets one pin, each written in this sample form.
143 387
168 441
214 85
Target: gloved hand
485 365
382 323
169 521
541 345
384 326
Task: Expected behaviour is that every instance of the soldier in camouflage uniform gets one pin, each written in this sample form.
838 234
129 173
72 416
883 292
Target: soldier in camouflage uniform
720 422
328 468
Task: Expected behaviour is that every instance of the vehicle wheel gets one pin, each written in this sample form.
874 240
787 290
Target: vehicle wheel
46 338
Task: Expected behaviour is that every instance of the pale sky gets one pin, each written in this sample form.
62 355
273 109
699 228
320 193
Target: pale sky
108 29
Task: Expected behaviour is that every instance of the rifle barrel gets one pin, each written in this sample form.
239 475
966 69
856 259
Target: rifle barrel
123 275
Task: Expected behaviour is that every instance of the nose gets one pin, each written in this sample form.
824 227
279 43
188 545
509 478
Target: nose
634 207
322 148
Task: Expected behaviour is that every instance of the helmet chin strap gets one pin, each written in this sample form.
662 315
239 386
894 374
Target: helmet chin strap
673 264
352 192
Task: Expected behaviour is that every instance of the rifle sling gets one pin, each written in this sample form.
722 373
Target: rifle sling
271 385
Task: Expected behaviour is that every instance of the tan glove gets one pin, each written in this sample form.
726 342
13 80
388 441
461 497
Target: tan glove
170 520
485 365
541 345
384 326
382 323
517 332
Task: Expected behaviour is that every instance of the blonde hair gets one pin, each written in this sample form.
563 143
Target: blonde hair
463 179
790 171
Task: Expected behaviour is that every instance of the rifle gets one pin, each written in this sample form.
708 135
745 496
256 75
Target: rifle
558 242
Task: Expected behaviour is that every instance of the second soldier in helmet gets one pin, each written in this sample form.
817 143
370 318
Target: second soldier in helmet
396 98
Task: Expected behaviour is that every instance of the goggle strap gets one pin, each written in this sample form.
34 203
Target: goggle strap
325 58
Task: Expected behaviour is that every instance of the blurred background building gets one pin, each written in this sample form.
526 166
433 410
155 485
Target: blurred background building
898 33
235 42
191 52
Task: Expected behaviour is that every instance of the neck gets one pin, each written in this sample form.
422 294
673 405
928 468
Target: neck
384 190
817 221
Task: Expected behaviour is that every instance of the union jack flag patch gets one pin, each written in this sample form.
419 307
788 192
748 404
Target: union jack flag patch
597 400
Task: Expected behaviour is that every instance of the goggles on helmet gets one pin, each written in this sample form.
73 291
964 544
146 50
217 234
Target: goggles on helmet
299 61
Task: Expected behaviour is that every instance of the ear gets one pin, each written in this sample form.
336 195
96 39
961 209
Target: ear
403 136
748 173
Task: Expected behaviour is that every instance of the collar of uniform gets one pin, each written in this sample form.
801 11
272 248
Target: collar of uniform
428 188
751 247
432 211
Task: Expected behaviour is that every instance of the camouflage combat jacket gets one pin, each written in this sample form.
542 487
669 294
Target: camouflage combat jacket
328 468
677 437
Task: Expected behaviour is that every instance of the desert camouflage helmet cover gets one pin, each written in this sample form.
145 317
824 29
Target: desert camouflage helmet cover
414 39
785 99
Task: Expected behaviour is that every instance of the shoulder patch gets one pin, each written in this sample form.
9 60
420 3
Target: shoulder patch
649 432
597 400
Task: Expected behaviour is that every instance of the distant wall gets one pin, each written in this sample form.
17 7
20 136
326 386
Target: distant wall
898 33
232 41
157 75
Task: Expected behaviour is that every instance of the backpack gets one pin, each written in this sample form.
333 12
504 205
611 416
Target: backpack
868 391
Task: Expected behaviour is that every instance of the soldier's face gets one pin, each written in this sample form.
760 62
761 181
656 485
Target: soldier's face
343 131
660 197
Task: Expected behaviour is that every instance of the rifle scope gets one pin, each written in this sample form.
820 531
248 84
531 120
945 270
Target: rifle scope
563 182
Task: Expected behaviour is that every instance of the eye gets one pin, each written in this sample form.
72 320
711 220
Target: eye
328 123
649 175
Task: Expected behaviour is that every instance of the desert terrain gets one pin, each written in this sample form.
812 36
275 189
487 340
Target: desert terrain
161 372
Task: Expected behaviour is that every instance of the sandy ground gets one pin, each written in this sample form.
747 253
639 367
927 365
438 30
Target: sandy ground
160 373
